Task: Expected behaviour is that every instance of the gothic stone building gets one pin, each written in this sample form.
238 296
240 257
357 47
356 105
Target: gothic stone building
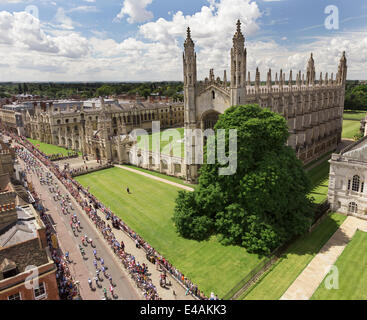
347 182
97 130
313 109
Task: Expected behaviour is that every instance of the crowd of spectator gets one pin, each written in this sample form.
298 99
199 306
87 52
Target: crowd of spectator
61 156
68 289
90 204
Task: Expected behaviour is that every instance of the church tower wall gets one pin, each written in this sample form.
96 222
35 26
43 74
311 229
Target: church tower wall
312 108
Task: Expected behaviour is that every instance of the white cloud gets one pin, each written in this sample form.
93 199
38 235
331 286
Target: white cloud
212 30
64 22
135 10
58 53
327 52
24 32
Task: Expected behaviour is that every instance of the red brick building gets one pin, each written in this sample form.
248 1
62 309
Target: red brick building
27 271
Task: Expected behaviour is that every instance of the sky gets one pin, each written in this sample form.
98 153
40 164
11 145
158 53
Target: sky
142 40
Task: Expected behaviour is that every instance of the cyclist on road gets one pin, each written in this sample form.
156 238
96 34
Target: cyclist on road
97 281
111 290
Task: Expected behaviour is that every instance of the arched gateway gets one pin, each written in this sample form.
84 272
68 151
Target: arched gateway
313 109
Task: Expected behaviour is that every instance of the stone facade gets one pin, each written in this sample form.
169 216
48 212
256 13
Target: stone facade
99 131
313 109
348 175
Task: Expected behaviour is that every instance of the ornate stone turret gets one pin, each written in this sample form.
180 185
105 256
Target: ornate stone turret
238 67
268 80
190 91
257 80
212 96
225 79
211 76
311 74
190 74
290 82
342 69
281 79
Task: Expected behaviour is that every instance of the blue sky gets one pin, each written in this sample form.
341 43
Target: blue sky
121 40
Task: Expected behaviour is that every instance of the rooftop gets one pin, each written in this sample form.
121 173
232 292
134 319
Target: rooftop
23 230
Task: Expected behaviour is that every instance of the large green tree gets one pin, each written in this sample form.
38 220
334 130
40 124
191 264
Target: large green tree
264 203
356 97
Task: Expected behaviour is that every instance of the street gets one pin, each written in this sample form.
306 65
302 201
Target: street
82 267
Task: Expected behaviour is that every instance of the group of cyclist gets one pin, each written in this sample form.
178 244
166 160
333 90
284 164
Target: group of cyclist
32 166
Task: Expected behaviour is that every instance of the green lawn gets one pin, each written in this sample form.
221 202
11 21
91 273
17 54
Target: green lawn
351 122
350 128
277 280
49 149
176 140
163 176
149 209
319 177
352 269
354 114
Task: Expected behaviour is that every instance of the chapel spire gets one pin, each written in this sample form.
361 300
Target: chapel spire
238 67
188 41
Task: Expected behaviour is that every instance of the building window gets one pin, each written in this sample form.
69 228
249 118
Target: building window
213 95
40 292
15 297
348 184
352 208
362 187
355 183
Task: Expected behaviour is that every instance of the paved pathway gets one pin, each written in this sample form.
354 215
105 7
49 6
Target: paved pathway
156 178
309 280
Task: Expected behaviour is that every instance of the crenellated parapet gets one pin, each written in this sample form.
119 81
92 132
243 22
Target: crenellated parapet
212 82
312 108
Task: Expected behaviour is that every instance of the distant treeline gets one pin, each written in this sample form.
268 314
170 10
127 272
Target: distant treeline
91 90
356 95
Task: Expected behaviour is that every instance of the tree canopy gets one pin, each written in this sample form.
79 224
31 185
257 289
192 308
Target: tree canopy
61 90
356 97
264 203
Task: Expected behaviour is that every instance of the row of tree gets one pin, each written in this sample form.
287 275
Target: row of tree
356 96
89 90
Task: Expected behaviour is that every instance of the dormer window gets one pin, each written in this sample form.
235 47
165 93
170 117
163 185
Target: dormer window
8 268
